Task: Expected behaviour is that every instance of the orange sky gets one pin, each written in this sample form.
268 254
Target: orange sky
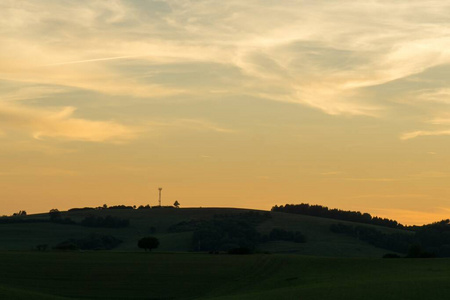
236 105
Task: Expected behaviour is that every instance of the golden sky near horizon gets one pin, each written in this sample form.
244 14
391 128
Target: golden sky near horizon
229 104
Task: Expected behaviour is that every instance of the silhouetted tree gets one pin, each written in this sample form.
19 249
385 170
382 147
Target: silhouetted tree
148 243
20 213
54 214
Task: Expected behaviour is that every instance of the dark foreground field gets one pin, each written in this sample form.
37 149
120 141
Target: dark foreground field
115 275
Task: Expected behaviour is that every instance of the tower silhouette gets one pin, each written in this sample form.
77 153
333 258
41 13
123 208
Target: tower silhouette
160 189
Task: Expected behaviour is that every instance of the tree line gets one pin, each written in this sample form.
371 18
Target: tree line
338 214
176 204
55 216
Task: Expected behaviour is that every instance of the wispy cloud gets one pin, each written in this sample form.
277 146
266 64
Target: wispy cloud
191 124
60 124
420 133
89 60
318 54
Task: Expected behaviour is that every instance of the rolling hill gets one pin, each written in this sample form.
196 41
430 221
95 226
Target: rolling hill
143 222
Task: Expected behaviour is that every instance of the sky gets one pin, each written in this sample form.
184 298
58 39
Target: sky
245 104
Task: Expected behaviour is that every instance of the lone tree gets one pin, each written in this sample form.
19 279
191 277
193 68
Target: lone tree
176 204
54 214
148 243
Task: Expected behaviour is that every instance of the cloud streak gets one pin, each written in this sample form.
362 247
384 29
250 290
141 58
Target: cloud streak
61 125
311 53
422 133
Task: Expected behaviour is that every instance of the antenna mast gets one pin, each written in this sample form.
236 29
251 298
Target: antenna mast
160 189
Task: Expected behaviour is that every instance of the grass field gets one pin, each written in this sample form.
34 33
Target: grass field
320 240
115 275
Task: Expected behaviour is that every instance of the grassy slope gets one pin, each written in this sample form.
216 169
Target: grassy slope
320 240
113 275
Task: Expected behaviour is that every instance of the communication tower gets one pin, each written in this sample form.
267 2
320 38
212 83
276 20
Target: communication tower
160 189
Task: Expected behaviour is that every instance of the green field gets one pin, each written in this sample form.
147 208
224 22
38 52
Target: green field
115 275
320 240
327 266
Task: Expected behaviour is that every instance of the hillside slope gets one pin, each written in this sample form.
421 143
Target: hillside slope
320 240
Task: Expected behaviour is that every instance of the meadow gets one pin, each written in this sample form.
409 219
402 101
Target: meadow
327 266
128 275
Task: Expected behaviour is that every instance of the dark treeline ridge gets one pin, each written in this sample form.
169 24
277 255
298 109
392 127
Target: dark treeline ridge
325 212
55 216
432 240
121 207
102 207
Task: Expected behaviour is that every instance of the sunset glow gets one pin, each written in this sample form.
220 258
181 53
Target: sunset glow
226 104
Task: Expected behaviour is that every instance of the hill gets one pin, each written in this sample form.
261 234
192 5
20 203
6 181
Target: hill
158 222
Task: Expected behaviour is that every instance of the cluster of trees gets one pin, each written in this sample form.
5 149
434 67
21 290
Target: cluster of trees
223 234
325 212
226 232
55 216
92 242
434 238
236 234
20 213
17 214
